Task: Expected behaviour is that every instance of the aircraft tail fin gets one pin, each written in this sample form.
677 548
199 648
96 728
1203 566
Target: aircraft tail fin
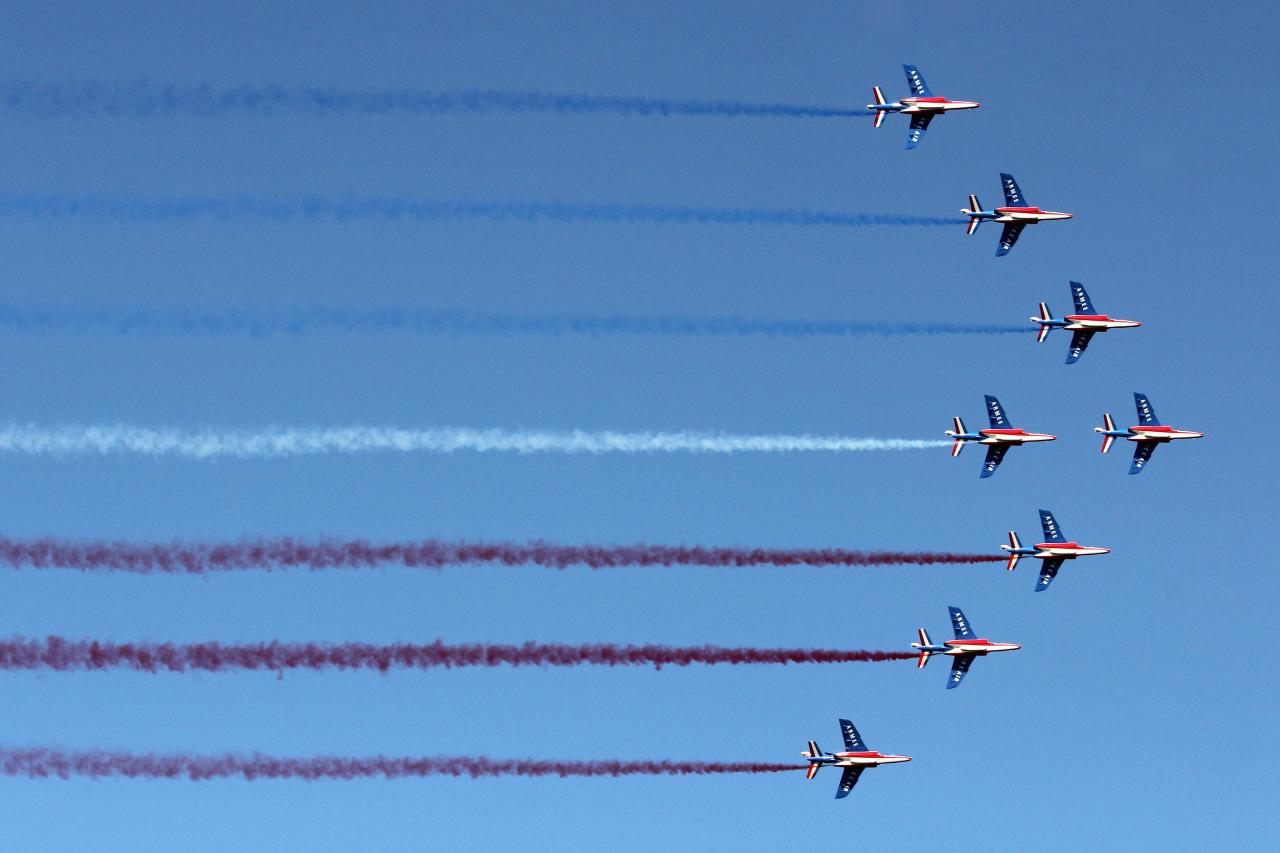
973 209
1108 426
1045 328
812 771
924 643
878 97
959 430
1013 548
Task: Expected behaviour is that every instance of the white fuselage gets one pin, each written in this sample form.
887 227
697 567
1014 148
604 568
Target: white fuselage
936 105
1012 437
961 647
866 759
1079 322
1160 434
1068 550
1027 215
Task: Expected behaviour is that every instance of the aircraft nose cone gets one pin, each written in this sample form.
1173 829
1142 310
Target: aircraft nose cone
1016 646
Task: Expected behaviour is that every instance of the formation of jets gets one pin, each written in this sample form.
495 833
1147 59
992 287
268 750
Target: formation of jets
1001 435
1056 549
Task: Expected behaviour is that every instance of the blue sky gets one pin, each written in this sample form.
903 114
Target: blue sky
1139 712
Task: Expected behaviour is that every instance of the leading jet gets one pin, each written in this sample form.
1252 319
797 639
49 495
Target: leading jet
1054 550
922 106
853 760
962 650
999 437
1016 214
1149 433
1083 324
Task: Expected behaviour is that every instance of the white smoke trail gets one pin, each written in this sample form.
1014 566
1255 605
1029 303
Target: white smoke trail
284 442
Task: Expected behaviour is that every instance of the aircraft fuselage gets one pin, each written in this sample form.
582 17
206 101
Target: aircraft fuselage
1095 323
1012 436
934 105
1160 433
956 648
1066 550
1026 215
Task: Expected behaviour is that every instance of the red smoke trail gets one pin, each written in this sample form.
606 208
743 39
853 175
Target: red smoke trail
267 554
41 763
67 655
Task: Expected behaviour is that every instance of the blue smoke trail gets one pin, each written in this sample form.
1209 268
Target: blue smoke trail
302 321
142 100
425 210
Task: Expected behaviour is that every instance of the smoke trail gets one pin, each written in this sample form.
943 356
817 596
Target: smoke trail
39 763
430 210
64 655
286 442
141 100
301 321
269 554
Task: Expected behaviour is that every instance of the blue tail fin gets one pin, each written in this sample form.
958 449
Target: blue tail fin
1146 414
1012 194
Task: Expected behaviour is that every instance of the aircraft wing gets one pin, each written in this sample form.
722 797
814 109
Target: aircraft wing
1079 340
915 80
959 666
919 122
1084 305
995 455
995 413
960 624
1008 237
1049 526
1048 572
847 780
1012 194
1141 456
1146 413
852 740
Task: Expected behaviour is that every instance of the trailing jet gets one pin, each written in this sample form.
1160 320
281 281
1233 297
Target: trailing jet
922 106
1084 323
1053 550
963 649
1148 433
1016 214
998 438
854 759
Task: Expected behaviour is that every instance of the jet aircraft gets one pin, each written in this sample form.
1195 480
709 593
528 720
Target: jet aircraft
853 760
1054 550
1084 323
998 438
963 649
1148 434
1016 214
922 106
